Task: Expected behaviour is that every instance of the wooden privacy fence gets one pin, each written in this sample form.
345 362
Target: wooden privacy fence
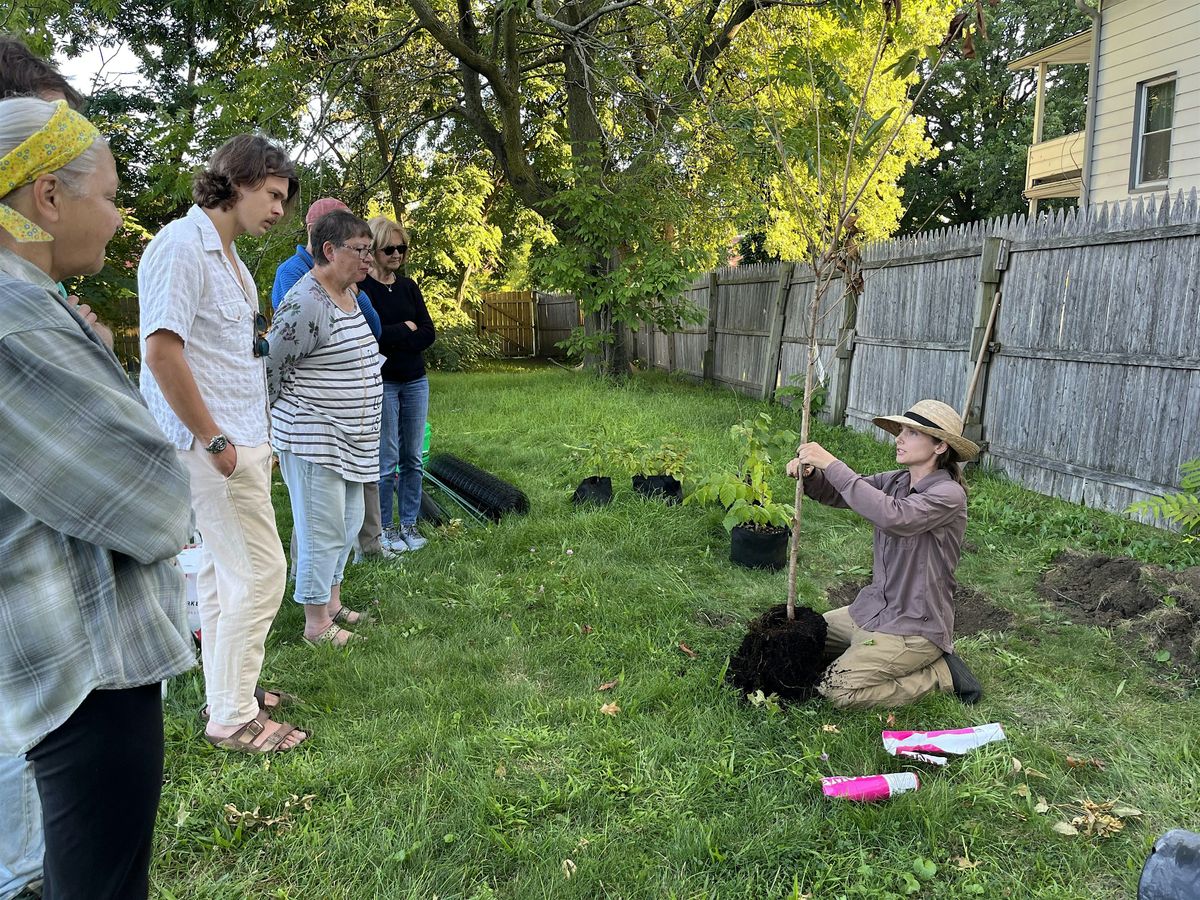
1089 386
529 323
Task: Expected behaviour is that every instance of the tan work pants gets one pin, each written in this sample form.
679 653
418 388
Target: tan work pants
372 526
241 579
876 669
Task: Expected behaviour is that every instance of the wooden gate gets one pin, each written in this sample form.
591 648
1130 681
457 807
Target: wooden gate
508 314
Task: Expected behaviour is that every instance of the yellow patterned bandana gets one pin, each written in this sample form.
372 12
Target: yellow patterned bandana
63 138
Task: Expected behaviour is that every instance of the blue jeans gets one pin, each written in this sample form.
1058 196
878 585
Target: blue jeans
22 844
327 512
401 435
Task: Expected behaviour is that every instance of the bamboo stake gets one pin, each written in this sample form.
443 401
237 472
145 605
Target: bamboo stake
987 337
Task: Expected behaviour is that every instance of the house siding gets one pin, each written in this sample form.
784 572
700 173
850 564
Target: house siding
1141 40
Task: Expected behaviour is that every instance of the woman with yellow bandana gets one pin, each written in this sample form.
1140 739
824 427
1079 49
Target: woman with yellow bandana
93 509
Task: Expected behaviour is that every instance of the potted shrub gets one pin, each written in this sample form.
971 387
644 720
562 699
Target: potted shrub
660 472
759 525
604 454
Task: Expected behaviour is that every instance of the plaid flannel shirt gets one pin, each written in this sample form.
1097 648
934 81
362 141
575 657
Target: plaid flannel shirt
94 507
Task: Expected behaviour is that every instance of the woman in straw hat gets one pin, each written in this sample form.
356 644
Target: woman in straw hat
894 643
93 509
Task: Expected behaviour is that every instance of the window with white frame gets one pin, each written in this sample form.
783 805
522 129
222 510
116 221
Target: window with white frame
1152 139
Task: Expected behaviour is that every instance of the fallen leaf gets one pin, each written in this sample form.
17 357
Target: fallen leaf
1035 773
1065 828
1126 812
1041 807
610 709
1075 762
1021 790
568 867
831 729
1017 766
586 629
182 814
609 685
688 650
583 844
891 719
501 770
963 863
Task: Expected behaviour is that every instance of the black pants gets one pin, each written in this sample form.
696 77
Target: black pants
99 776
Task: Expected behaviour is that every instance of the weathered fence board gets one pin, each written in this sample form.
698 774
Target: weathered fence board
1091 389
556 316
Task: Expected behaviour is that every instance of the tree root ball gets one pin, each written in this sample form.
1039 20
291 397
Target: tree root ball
781 657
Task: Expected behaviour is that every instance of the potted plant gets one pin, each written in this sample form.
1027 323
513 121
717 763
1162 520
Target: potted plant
759 525
661 470
604 454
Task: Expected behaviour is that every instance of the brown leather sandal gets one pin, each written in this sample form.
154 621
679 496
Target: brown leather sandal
260 695
242 740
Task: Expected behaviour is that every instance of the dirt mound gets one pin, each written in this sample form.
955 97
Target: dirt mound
1157 607
973 612
781 657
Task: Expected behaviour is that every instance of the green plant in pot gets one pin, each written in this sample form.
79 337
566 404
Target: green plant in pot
597 457
758 525
660 471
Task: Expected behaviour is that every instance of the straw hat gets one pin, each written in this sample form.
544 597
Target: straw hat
936 419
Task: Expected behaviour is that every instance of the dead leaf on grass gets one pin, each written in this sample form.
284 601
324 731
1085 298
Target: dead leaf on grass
1017 766
1075 762
1021 790
1064 828
1098 819
831 729
1041 807
585 629
1035 773
609 685
1126 812
568 868
964 863
610 709
891 719
501 770
692 654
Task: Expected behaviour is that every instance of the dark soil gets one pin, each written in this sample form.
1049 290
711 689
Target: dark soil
973 612
1152 607
781 657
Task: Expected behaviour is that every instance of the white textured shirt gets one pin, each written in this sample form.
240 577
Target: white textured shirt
325 384
187 286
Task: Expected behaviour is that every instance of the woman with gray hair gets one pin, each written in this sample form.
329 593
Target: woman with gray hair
326 395
93 510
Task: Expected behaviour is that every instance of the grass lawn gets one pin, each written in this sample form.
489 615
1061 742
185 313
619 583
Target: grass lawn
462 752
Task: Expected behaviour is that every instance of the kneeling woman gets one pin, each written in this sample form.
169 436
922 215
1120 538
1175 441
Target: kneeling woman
894 643
326 395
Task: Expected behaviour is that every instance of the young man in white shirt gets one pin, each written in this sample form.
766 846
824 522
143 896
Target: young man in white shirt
205 382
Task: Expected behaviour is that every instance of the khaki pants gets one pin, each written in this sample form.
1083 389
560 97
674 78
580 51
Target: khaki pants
372 526
241 579
876 669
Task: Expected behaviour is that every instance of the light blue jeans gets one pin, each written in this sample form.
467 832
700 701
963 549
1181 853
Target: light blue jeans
405 405
327 512
22 843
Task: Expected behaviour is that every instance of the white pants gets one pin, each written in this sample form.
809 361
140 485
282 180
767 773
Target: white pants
241 579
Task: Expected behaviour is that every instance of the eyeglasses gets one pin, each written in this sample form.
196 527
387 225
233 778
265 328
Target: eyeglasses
363 252
393 249
262 347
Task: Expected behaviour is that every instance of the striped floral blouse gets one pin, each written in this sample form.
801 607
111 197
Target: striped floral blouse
324 383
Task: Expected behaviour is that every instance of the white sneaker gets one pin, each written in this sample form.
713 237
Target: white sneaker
393 540
412 537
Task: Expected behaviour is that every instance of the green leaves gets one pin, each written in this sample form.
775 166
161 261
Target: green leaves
1182 509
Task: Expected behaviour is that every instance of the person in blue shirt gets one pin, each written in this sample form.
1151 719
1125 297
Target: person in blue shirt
300 264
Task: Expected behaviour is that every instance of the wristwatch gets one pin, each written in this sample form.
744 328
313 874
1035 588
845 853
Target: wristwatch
217 444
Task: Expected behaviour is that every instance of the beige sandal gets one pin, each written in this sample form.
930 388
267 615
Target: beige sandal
242 740
342 617
330 636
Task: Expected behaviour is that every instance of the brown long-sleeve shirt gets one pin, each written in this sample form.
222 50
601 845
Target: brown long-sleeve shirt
918 540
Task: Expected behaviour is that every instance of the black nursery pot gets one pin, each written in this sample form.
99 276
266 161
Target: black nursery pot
593 489
759 548
664 487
